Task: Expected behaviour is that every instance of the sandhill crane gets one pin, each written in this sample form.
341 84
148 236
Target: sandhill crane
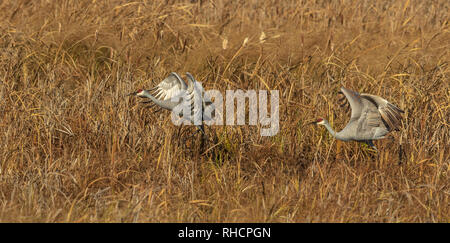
170 92
372 118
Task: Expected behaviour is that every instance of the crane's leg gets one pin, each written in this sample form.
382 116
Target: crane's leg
179 134
203 138
401 154
200 128
371 145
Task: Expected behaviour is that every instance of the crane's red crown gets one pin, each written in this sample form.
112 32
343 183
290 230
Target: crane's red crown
319 120
139 91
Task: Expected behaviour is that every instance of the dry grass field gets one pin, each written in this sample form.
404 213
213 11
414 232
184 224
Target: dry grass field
74 148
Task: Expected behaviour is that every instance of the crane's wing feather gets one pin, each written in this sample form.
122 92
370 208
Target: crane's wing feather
170 87
372 117
343 103
390 114
370 124
173 90
369 120
166 104
208 108
355 103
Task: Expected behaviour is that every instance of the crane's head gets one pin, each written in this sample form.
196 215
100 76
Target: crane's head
319 121
139 92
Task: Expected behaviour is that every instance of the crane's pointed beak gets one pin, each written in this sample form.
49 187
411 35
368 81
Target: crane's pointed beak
134 93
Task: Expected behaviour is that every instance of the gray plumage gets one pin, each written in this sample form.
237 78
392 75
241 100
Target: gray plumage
372 117
173 90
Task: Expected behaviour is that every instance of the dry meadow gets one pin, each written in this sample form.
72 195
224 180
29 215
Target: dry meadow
74 148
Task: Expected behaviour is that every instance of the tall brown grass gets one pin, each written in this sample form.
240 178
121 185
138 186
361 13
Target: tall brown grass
73 148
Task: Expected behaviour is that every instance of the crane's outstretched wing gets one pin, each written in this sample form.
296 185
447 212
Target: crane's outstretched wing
355 103
343 103
390 113
195 88
372 117
162 94
370 125
173 91
170 87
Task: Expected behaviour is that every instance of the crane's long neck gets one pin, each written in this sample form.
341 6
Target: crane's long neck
334 133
